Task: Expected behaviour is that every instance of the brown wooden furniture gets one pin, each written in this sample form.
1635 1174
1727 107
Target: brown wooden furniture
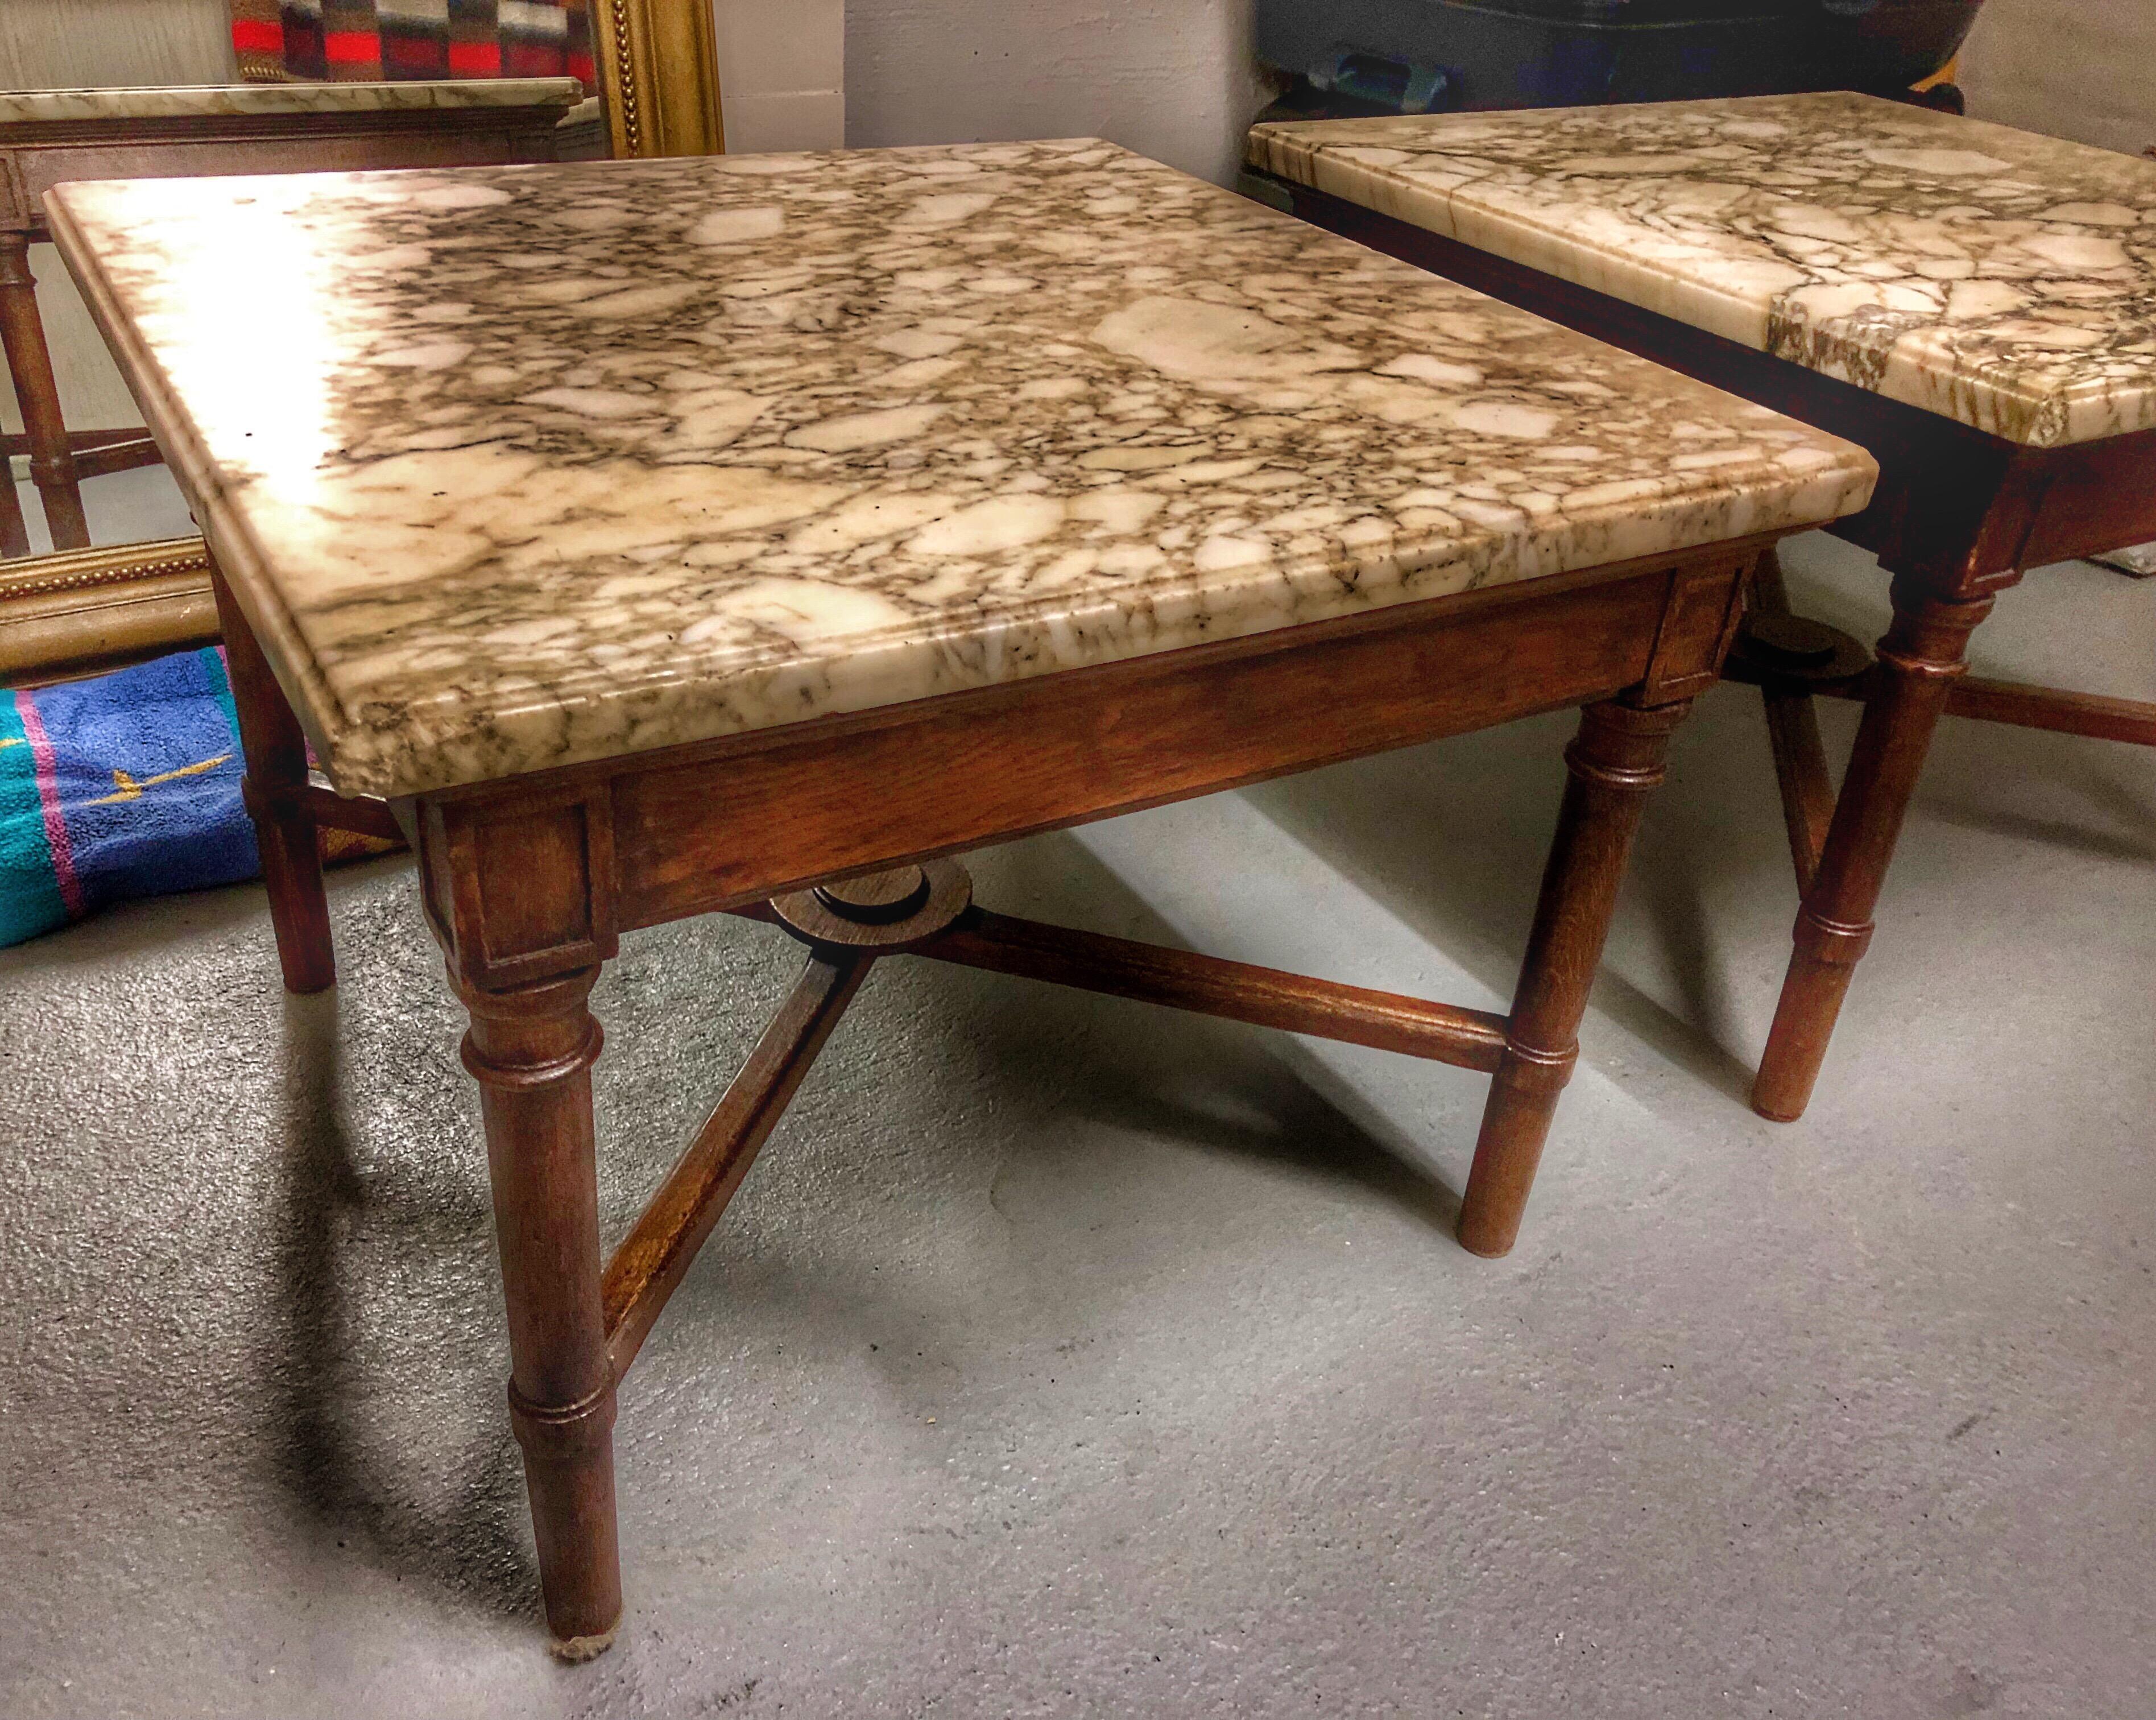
835 828
1193 496
1958 516
169 135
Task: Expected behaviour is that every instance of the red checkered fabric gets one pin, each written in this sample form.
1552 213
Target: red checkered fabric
371 41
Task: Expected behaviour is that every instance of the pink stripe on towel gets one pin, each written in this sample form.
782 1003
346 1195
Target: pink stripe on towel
49 798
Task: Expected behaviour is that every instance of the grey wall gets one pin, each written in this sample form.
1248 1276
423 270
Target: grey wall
2079 69
59 44
1171 79
781 70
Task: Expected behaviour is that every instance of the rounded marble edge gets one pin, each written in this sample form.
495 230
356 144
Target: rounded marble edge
232 549
1574 261
173 101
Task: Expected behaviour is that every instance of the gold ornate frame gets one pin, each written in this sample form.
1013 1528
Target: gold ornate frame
83 611
659 73
87 610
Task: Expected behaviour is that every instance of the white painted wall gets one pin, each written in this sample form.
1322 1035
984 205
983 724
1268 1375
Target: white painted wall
61 44
1171 79
2079 69
782 73
54 44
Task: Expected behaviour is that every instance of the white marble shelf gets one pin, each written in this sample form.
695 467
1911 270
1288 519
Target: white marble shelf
2004 280
180 101
526 467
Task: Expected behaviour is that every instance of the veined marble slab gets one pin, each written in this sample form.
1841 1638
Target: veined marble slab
2004 280
516 467
177 101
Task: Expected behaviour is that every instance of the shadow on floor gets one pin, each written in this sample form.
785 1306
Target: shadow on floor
1451 838
465 1539
1218 1086
2085 769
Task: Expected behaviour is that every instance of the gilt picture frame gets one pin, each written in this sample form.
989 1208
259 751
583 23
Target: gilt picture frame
658 75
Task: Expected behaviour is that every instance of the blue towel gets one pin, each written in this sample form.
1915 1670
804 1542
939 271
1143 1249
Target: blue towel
126 785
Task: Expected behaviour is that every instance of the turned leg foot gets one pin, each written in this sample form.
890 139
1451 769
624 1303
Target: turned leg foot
299 901
14 528
531 1050
1615 762
1919 659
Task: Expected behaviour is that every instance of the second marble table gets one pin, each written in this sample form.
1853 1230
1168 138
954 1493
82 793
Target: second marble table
1974 304
750 534
47 136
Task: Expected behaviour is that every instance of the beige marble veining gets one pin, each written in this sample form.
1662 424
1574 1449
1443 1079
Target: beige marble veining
2002 279
179 101
516 467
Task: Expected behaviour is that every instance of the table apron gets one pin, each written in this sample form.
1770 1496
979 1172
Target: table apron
531 876
1069 750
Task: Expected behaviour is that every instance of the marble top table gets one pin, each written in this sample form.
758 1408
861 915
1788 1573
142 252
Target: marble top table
1974 304
566 464
50 136
749 534
2004 281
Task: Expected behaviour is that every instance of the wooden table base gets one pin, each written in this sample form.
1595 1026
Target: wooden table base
1841 849
527 883
1958 516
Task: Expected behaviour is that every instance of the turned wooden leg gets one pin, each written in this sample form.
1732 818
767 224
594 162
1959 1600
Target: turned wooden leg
276 771
531 1050
14 530
1615 760
30 363
1919 660
1793 732
1771 633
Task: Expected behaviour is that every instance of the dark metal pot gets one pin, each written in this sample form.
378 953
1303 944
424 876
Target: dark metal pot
1377 56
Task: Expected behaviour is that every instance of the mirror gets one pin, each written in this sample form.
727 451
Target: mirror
99 564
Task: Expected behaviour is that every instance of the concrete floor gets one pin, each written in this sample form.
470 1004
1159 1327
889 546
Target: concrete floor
1065 1357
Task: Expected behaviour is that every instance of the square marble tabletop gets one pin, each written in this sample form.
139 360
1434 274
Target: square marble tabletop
519 467
2004 280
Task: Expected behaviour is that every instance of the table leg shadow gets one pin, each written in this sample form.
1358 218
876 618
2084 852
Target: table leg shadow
337 1455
